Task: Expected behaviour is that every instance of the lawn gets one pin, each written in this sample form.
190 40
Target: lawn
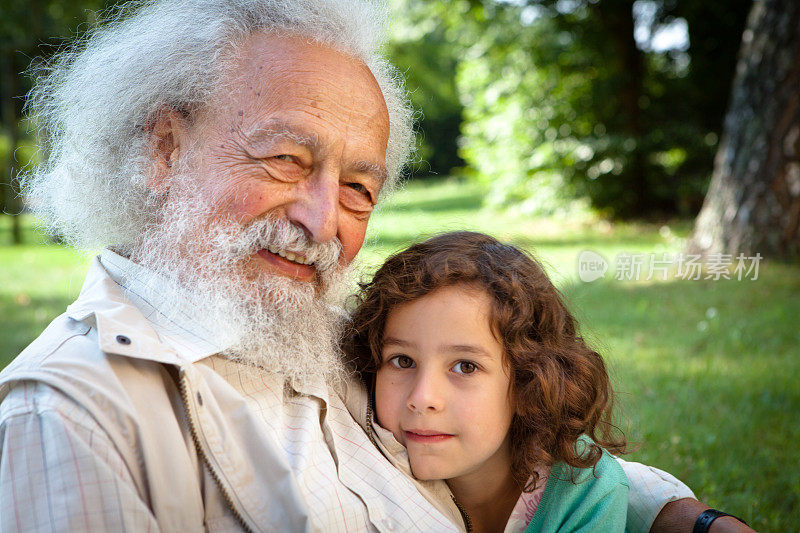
707 372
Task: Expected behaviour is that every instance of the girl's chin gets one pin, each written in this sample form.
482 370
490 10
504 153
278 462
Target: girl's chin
428 472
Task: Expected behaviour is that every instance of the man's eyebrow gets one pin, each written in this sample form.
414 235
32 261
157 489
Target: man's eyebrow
274 130
377 172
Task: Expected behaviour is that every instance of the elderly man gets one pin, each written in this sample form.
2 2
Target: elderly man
227 155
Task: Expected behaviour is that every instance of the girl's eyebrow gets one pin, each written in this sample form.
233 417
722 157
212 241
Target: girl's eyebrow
469 349
394 341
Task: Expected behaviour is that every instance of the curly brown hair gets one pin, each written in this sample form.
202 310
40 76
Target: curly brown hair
559 385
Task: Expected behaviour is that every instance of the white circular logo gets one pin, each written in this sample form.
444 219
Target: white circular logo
591 266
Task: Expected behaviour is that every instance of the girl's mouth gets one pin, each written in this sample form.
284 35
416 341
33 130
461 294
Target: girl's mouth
427 437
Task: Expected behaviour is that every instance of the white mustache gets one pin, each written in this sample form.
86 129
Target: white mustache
241 242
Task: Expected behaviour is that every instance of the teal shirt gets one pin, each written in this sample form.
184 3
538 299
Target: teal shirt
598 501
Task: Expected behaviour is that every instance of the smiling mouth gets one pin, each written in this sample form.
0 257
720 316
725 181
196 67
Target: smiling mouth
289 263
289 256
426 436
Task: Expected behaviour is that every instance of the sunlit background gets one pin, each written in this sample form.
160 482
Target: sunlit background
564 127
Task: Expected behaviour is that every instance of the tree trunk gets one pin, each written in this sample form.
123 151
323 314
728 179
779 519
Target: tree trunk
753 201
616 17
11 203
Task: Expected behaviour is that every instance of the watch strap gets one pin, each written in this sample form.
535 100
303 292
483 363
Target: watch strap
707 517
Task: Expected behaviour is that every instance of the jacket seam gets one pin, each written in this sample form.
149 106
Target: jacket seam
28 364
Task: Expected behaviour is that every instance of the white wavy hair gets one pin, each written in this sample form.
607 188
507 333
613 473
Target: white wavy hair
92 102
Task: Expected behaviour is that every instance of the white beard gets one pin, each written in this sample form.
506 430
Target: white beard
264 320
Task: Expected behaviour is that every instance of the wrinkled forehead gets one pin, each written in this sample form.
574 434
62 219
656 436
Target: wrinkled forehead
273 72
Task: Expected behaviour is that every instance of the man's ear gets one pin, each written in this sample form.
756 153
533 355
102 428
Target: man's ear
168 132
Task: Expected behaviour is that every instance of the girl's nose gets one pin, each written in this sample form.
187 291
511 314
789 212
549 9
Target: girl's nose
426 396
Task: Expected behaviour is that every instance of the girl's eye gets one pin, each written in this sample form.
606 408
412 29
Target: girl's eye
401 361
465 367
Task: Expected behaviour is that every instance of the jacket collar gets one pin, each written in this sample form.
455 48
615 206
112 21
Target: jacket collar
122 300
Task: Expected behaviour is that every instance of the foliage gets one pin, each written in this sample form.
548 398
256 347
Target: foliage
538 94
561 102
705 371
30 30
422 48
522 136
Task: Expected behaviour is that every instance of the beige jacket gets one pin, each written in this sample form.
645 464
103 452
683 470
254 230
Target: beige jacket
179 442
195 460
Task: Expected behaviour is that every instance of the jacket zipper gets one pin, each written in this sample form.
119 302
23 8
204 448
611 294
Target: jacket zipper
464 515
184 388
368 425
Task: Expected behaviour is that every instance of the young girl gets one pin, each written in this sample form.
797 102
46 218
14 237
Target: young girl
478 371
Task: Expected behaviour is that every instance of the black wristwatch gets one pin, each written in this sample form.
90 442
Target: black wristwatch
709 515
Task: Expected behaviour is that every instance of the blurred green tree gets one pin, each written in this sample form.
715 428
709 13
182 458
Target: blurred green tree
588 98
423 48
547 101
28 29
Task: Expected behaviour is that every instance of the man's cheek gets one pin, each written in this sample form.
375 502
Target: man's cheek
352 239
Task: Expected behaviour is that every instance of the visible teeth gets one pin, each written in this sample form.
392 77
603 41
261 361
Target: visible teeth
291 256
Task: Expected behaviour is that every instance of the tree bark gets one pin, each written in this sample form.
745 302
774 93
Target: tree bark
753 201
616 17
11 203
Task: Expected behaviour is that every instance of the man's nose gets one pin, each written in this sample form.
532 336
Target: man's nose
316 205
426 395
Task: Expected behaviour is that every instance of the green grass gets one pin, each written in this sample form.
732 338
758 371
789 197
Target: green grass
707 372
37 282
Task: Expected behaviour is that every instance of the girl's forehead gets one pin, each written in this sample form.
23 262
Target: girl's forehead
465 300
472 294
449 319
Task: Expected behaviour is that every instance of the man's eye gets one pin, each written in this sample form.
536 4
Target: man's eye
285 157
356 197
358 187
361 189
465 367
401 361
